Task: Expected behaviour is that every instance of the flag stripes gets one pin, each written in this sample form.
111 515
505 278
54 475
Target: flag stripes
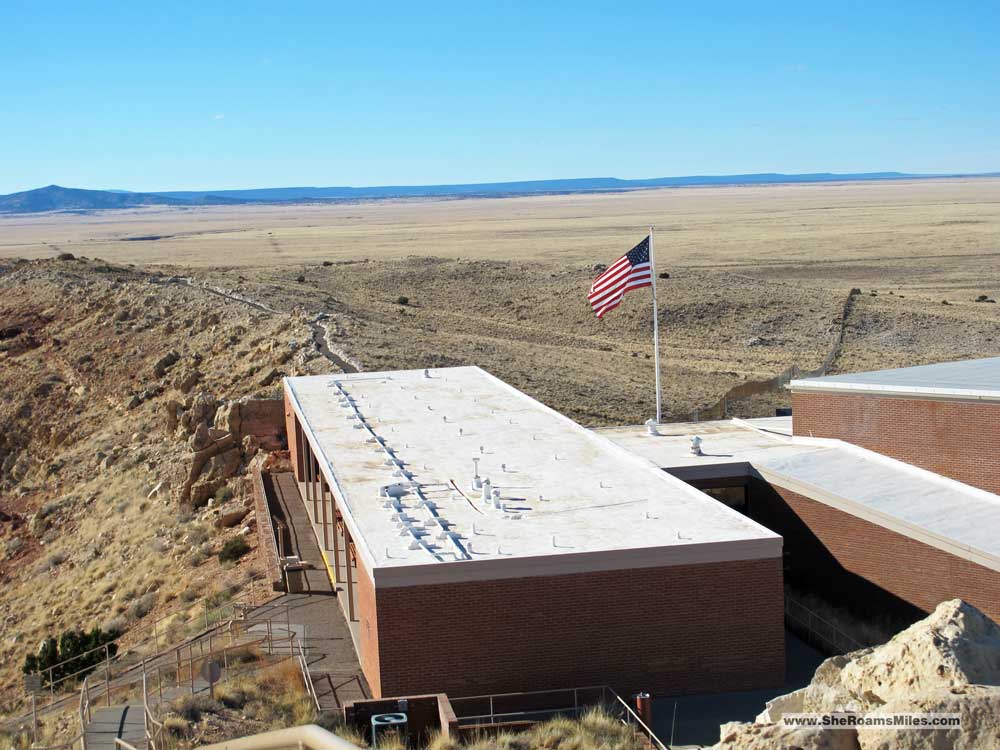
631 271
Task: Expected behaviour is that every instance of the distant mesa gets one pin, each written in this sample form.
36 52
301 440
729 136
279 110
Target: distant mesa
57 198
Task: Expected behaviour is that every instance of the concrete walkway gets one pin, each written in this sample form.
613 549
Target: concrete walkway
117 722
315 614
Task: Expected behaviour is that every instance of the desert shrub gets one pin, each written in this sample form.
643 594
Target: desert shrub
54 560
191 707
333 721
77 652
402 300
142 606
114 625
176 727
233 550
198 534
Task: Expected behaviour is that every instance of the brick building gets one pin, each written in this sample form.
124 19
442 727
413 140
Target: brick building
485 543
881 483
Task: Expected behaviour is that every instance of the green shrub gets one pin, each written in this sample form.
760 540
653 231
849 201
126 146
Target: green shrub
81 651
233 550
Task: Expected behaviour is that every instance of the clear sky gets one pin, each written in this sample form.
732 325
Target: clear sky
210 95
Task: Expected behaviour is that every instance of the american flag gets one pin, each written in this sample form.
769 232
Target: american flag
631 271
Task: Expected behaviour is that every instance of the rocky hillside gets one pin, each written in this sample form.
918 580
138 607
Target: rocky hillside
131 403
947 663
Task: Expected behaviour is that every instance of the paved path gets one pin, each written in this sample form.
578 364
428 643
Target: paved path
315 615
121 722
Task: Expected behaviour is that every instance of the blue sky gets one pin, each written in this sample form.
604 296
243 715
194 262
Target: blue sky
166 95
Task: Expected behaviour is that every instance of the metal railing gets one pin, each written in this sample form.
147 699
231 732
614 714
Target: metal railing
510 708
202 614
820 632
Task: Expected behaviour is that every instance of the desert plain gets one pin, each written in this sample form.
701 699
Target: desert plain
758 280
122 330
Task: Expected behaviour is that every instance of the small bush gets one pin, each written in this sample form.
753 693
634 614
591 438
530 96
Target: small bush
142 606
402 300
191 707
198 535
81 651
176 727
233 550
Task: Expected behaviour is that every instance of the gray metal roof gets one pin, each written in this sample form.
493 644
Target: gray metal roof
971 378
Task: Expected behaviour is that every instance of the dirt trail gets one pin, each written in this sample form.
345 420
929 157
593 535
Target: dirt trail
319 331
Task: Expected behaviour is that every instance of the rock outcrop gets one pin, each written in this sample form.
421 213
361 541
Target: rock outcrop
222 437
948 662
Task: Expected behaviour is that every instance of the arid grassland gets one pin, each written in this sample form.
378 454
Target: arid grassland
125 336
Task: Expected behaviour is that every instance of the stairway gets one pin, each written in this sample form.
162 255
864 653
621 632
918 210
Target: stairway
117 722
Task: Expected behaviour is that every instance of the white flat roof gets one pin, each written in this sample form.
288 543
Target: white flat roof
920 504
723 442
925 506
570 500
967 379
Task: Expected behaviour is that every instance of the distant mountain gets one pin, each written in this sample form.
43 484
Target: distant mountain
584 184
56 198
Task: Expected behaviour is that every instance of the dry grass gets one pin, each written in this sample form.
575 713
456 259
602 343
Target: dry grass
271 698
697 226
595 730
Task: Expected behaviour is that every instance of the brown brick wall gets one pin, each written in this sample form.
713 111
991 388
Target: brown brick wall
953 438
367 615
866 566
683 629
293 435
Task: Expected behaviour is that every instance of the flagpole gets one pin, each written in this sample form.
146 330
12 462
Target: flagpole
656 330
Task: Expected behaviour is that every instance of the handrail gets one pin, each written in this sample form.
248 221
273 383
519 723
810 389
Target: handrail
309 737
845 640
635 717
120 743
148 626
306 675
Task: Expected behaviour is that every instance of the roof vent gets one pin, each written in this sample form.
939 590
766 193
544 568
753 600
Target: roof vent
477 481
427 373
696 446
487 490
651 426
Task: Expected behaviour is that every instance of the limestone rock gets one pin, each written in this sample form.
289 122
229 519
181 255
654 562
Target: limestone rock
201 409
165 362
173 411
737 736
201 490
230 515
956 645
224 465
228 417
949 662
200 439
187 380
978 705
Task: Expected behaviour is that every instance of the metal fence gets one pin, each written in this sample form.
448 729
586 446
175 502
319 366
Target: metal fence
818 631
517 708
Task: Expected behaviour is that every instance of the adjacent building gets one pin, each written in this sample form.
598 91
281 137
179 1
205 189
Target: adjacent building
487 543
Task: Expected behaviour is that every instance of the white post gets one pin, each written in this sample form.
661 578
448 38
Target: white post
656 331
